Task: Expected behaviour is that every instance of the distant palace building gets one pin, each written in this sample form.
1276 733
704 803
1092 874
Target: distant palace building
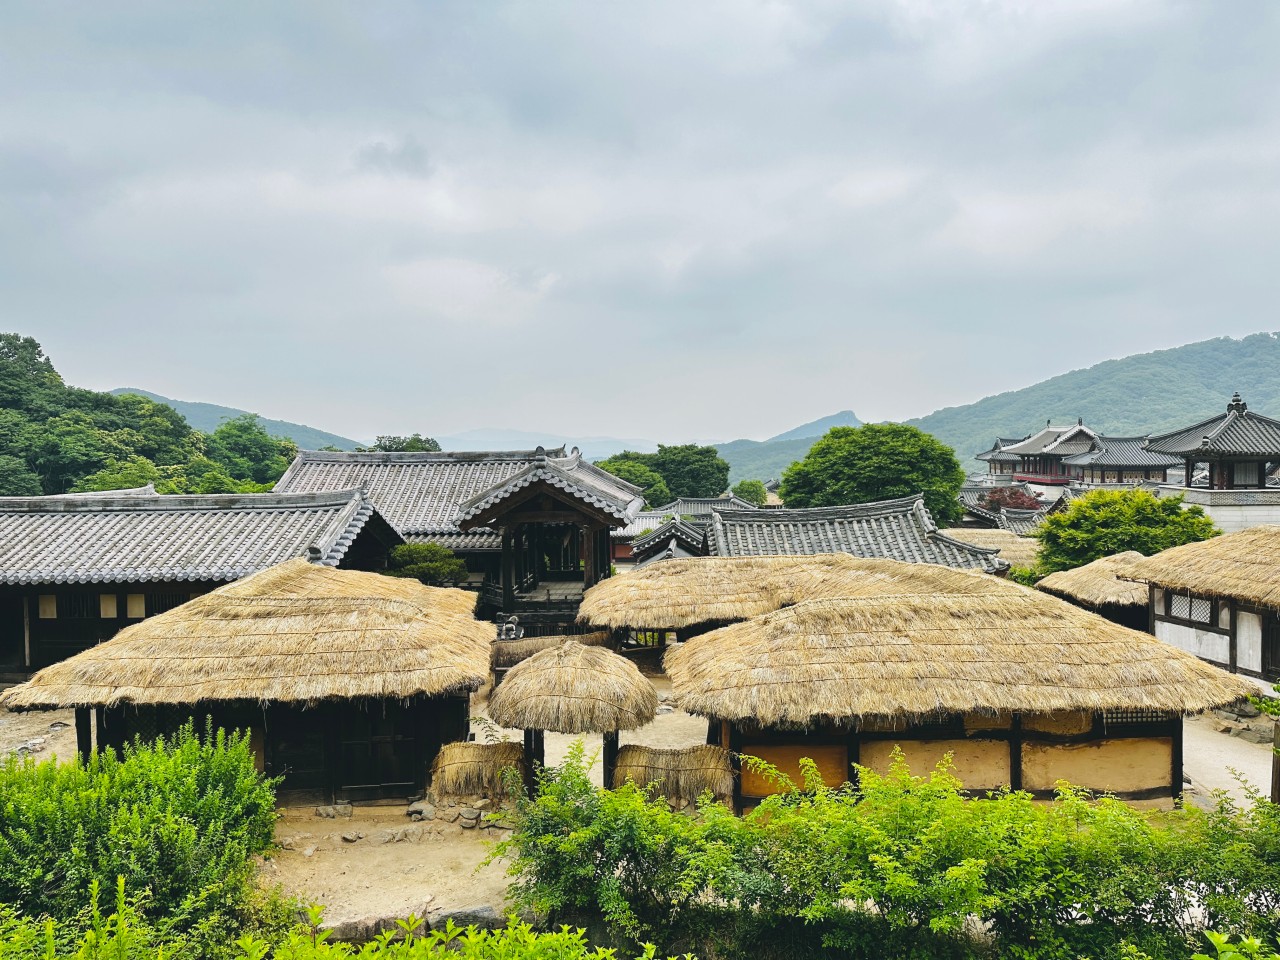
1058 456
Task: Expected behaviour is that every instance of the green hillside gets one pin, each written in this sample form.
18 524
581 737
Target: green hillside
207 417
762 459
1145 393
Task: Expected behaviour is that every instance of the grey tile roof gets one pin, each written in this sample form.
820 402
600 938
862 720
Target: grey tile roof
894 529
596 488
418 493
127 539
1122 452
691 537
703 506
643 522
997 452
1022 522
1054 440
1238 432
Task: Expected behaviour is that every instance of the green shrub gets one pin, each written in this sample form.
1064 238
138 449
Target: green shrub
174 820
899 866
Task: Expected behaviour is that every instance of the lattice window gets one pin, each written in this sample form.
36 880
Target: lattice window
1115 718
1185 607
160 602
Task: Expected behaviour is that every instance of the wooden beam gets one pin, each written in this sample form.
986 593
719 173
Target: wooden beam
84 732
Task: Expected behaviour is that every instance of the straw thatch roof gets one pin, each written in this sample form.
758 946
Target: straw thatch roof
1019 551
1243 566
507 653
1096 584
913 657
698 590
574 688
681 774
296 632
468 769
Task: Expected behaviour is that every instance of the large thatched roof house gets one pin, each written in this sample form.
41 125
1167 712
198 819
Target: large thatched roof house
1219 599
76 568
349 682
1020 687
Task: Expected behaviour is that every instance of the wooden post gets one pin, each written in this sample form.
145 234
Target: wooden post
1015 752
508 574
1275 764
609 757
1175 773
588 558
26 630
535 749
99 730
84 733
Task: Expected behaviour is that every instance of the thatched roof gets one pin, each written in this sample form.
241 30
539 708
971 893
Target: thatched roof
697 590
466 768
914 657
681 774
1019 551
574 688
296 632
507 653
1096 584
1243 566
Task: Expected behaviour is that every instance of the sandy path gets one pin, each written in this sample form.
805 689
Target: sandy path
57 729
1208 758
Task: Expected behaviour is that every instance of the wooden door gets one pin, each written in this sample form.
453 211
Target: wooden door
1271 647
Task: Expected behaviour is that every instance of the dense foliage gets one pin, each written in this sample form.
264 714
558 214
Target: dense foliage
55 438
122 935
878 461
752 491
1015 498
688 470
176 820
655 489
416 443
1106 522
431 563
898 866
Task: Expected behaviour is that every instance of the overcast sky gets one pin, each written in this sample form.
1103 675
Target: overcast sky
647 219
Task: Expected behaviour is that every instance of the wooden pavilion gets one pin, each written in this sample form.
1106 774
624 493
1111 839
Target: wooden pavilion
1239 447
347 682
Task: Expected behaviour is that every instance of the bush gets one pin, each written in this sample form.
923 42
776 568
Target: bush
897 866
175 820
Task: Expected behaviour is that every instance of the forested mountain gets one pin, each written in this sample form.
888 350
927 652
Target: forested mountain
55 438
207 417
1145 393
766 459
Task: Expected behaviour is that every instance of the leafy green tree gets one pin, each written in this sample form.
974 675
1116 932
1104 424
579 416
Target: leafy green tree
430 563
28 381
416 443
877 461
656 491
67 447
752 491
245 451
691 470
1107 522
16 480
135 471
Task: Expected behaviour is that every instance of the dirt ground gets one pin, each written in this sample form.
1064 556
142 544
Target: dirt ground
39 733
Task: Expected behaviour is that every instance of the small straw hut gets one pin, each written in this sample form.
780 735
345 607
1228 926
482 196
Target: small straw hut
1096 586
348 682
1219 599
694 594
574 688
681 775
1022 688
1018 551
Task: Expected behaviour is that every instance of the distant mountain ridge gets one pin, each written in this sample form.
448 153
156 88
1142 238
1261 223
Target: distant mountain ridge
206 417
766 459
593 448
1133 396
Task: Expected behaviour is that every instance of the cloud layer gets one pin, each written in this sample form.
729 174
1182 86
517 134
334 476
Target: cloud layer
664 219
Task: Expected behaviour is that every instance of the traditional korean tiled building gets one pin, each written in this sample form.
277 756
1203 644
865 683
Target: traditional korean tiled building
901 529
533 526
76 569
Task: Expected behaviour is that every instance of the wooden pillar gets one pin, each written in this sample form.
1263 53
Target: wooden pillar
84 732
99 730
609 757
508 573
1015 752
1275 764
535 749
588 557
26 631
1175 771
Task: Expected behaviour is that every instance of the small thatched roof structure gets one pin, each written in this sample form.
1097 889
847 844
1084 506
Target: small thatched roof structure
1096 584
297 632
1019 551
913 657
1243 566
465 768
697 590
681 774
507 653
574 688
